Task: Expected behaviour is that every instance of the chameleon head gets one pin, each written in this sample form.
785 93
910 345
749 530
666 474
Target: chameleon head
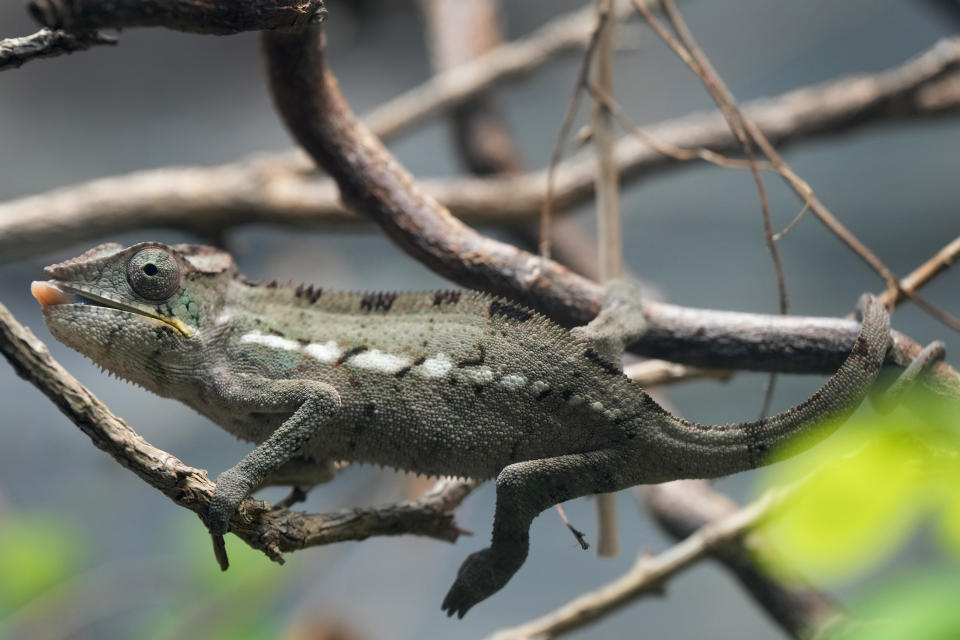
141 311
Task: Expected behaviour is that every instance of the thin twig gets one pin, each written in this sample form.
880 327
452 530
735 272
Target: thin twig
609 242
273 531
685 506
506 62
283 188
557 154
693 56
667 149
577 534
47 43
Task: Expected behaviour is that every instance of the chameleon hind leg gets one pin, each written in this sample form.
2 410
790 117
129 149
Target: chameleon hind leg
524 489
619 323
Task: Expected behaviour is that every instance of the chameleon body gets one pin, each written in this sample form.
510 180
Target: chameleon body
442 383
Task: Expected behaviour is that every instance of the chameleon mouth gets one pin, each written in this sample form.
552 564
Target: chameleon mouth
50 293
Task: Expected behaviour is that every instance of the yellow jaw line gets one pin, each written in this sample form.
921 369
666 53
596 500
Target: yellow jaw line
51 293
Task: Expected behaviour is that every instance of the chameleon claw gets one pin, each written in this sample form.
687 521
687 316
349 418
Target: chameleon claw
220 551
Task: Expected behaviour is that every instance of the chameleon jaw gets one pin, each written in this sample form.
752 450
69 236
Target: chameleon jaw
50 293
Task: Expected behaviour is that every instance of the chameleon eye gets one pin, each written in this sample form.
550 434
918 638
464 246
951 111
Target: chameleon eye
154 274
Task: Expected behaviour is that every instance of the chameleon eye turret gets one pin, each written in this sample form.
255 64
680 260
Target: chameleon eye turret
154 274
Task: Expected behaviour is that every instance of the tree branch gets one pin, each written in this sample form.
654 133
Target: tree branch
47 43
273 531
210 16
282 188
685 506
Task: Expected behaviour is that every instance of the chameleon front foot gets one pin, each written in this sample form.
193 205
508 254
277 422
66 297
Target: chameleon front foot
227 496
479 578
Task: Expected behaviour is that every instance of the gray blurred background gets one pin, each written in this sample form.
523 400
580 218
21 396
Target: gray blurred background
142 567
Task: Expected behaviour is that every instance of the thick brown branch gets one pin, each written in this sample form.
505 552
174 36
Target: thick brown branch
271 531
210 16
282 189
683 507
371 181
47 43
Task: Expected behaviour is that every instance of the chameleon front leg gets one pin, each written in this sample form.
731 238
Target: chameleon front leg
312 404
524 489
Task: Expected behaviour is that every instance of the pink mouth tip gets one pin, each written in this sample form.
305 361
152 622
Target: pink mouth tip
48 293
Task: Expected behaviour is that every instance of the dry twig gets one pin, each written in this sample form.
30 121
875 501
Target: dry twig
47 43
609 241
693 56
683 507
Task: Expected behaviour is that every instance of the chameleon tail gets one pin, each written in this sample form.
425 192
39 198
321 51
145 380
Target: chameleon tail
712 450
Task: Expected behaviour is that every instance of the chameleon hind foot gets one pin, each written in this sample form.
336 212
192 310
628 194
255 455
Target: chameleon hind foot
480 576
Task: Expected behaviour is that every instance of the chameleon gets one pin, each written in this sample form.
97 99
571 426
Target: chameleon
446 383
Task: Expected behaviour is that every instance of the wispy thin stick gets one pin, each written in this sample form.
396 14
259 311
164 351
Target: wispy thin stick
547 208
609 242
694 58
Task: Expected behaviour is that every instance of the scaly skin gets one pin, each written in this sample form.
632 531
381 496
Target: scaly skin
444 383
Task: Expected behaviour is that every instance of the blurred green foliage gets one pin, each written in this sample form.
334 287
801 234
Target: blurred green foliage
858 497
37 552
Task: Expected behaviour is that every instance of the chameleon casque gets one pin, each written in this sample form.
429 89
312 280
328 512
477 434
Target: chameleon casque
443 383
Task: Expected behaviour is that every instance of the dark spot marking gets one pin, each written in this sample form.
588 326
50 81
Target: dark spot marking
510 311
274 332
402 372
543 394
419 361
566 394
440 297
595 357
369 410
381 301
477 389
474 362
308 292
349 353
861 349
